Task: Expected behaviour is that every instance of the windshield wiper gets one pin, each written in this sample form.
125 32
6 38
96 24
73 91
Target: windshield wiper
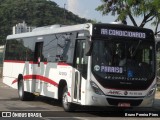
134 52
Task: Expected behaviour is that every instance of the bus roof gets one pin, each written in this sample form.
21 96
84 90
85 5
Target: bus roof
51 30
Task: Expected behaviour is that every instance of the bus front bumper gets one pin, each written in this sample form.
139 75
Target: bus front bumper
102 100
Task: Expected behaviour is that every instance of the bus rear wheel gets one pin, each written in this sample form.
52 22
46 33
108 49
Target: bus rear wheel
23 95
68 107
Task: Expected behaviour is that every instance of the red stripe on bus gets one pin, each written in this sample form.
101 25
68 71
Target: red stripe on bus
14 61
14 81
18 61
62 63
38 77
32 62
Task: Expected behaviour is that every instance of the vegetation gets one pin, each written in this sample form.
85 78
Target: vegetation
34 13
149 10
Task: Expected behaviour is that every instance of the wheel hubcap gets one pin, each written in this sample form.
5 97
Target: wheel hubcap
65 100
20 88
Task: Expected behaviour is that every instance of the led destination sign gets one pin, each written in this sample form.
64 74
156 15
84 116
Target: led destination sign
114 32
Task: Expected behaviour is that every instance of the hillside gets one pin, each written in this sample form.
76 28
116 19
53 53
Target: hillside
34 13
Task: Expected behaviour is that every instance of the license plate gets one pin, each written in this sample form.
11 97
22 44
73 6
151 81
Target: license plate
124 105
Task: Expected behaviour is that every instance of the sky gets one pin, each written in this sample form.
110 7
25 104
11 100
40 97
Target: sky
86 9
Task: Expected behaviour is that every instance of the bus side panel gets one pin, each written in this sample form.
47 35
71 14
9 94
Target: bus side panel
47 80
8 82
65 73
13 69
48 77
7 73
7 69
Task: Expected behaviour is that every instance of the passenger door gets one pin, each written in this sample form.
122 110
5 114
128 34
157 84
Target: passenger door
38 67
81 62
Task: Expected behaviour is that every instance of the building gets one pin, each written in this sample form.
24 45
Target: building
21 28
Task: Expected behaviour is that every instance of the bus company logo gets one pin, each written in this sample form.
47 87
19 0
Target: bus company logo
114 92
125 93
96 67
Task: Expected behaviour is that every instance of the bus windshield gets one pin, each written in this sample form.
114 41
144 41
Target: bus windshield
124 61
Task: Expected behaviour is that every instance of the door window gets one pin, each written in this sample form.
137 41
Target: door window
38 52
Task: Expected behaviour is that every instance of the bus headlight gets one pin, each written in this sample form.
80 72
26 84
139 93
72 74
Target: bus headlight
152 91
96 89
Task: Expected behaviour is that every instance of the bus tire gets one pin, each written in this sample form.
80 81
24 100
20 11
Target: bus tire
67 106
23 95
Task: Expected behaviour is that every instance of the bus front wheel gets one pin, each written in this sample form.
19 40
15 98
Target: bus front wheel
68 107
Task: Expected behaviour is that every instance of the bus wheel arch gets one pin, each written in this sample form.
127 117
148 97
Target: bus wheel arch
61 86
20 76
63 96
23 95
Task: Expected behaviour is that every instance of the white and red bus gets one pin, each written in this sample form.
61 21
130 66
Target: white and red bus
86 64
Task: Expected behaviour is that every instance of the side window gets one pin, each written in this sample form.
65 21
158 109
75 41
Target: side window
29 44
10 47
50 48
59 47
66 47
17 50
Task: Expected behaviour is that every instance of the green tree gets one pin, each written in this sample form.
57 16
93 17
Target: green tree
149 10
34 13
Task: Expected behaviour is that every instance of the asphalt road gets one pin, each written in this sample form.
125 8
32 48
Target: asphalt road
44 108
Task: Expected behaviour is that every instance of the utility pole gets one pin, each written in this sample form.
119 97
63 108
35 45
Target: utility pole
64 13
